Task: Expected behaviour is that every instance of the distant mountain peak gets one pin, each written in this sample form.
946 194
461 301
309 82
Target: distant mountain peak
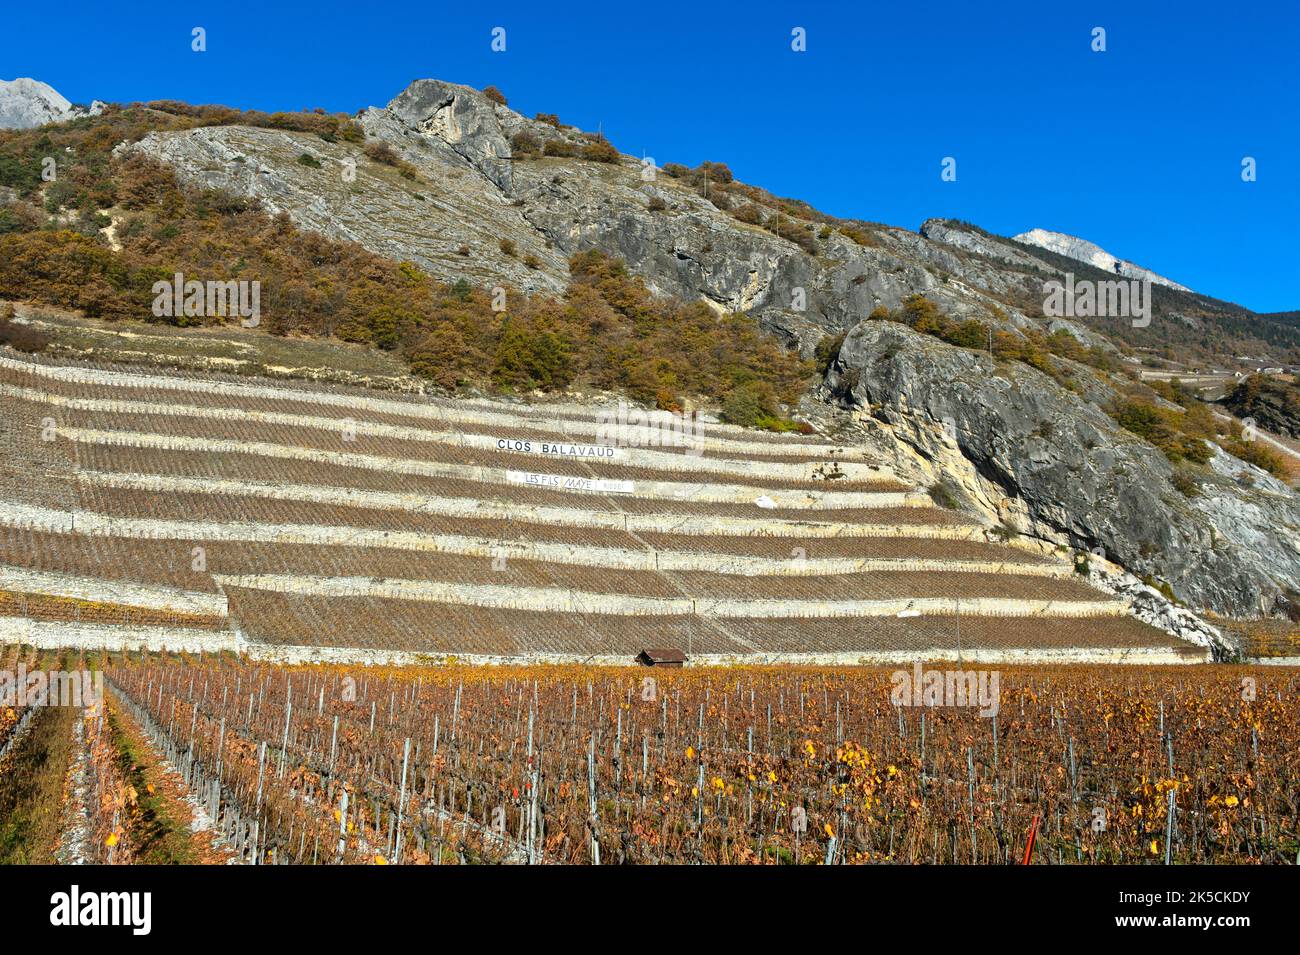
26 102
1084 251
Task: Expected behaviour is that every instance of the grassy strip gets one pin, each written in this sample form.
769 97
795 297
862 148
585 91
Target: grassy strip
158 827
31 789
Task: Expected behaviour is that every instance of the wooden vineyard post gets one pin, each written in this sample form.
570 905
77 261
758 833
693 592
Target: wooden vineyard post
261 765
284 745
532 787
401 803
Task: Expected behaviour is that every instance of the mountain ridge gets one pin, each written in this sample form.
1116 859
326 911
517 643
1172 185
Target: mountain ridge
1077 248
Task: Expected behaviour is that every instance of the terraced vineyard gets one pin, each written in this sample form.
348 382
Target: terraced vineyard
206 514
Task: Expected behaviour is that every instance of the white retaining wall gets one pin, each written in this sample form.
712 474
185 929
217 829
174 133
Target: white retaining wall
458 411
703 491
101 590
158 639
559 600
106 525
365 428
476 508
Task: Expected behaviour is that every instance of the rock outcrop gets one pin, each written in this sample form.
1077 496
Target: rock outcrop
1085 482
1075 248
25 103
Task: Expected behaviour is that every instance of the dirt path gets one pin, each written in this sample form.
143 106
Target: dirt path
74 841
166 825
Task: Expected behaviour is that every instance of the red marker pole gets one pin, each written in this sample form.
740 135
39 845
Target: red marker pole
1029 846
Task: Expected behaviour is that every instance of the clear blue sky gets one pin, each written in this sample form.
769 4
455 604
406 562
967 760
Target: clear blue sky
1138 149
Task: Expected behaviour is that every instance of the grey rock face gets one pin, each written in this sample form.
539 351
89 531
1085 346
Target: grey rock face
461 117
25 103
1080 475
1093 254
1151 606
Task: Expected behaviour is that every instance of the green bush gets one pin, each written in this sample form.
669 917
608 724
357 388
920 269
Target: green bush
1186 485
827 350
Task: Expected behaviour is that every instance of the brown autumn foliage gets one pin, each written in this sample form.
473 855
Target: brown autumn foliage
607 331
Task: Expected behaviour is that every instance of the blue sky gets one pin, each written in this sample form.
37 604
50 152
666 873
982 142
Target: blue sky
1138 148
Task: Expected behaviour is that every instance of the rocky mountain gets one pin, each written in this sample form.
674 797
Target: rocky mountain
25 103
1050 463
464 187
1075 248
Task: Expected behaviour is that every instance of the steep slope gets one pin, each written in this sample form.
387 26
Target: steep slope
1075 475
464 187
216 515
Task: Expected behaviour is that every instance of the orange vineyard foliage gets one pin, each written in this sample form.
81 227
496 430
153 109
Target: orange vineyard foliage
756 765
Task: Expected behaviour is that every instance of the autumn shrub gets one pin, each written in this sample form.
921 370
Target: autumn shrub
1260 455
560 148
23 338
1162 428
524 143
385 154
600 150
495 95
859 235
792 231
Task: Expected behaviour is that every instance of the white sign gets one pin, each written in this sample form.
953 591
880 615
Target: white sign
561 449
563 482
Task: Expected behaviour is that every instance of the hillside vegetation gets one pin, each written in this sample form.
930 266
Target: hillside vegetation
1273 403
607 331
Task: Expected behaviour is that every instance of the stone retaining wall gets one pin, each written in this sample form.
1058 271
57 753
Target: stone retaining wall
702 491
90 522
480 509
157 639
101 590
558 600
